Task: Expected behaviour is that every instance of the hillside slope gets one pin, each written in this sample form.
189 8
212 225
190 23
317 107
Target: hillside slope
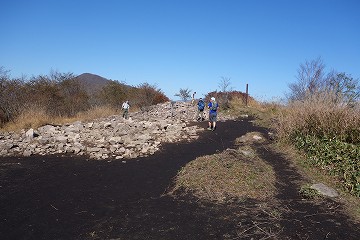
91 82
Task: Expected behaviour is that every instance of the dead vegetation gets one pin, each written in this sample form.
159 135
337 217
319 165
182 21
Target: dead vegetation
35 117
61 96
232 174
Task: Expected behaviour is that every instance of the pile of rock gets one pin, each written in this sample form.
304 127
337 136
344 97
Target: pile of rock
112 137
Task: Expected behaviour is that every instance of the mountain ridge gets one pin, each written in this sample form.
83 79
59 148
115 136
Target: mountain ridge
91 82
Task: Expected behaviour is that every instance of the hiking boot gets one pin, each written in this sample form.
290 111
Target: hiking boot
209 128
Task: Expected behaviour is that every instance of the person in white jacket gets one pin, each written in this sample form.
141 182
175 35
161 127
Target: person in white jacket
125 107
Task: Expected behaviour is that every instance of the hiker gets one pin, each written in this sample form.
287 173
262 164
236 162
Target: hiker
200 112
193 98
125 107
213 107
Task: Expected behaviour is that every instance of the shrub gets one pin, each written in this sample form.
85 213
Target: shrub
35 116
335 158
308 192
30 117
12 98
318 117
329 135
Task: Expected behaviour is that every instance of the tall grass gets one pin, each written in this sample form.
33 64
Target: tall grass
35 116
97 112
318 116
329 134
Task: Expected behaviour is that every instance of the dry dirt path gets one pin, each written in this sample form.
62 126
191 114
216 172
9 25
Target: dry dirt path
53 197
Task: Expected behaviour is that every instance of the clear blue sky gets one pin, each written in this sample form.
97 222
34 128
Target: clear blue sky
181 43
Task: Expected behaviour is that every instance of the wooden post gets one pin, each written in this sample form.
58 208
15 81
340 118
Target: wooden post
247 95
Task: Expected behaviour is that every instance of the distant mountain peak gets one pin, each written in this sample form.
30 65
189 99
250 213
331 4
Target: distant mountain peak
92 82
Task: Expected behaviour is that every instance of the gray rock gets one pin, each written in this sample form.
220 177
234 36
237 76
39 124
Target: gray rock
61 139
140 135
27 153
30 134
256 137
325 190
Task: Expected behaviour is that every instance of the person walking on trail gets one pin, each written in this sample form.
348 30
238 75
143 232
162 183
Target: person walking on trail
200 112
125 107
193 98
213 107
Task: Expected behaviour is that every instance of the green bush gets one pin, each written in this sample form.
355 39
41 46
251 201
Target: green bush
308 192
335 157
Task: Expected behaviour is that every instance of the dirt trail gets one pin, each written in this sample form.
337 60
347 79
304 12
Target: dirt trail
53 197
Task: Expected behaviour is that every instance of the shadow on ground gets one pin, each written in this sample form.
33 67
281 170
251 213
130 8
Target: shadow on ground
71 197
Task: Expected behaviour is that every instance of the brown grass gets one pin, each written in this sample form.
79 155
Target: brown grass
34 117
263 112
232 174
97 112
319 117
31 118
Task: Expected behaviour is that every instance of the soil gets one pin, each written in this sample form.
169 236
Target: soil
72 197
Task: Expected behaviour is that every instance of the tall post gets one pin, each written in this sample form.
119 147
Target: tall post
247 95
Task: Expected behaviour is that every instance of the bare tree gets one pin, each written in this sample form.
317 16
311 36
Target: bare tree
337 88
345 89
310 79
73 97
184 94
149 94
114 93
4 74
12 98
224 86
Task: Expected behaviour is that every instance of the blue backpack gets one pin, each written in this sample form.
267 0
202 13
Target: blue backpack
201 105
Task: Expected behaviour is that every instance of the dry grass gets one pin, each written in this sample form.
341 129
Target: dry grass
232 174
235 173
31 118
262 112
318 117
34 117
97 112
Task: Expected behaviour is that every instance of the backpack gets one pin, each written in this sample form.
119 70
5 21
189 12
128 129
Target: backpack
213 106
201 105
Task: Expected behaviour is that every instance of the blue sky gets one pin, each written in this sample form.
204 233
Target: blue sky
181 43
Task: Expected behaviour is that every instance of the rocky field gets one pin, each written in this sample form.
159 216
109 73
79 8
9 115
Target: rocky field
112 137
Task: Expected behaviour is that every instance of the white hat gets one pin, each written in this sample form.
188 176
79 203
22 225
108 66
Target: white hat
212 98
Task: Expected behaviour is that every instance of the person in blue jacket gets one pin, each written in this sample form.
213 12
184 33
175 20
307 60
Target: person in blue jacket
213 106
200 112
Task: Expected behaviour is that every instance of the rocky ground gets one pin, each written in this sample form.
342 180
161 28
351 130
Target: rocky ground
112 137
66 196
